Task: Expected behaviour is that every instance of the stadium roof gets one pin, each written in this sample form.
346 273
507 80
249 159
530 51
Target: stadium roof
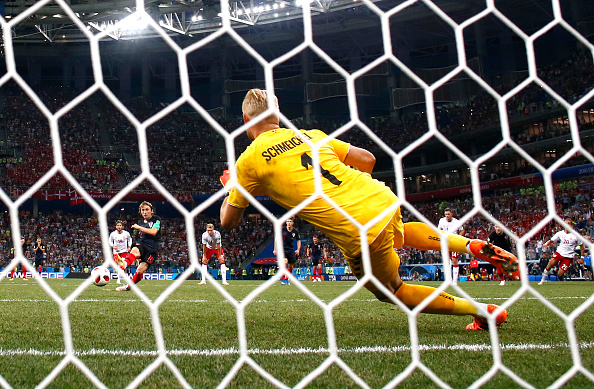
48 21
53 23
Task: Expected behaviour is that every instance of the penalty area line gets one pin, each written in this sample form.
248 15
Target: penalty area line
297 351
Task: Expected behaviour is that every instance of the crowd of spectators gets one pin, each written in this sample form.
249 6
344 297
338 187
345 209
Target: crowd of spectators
27 136
183 155
520 213
182 158
572 78
186 155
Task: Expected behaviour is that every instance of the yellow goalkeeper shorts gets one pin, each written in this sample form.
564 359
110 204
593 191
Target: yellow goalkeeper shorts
384 260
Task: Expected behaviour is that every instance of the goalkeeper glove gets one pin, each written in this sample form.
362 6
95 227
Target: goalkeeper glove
225 177
224 180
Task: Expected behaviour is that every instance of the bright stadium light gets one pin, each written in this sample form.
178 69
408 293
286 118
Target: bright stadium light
299 3
132 23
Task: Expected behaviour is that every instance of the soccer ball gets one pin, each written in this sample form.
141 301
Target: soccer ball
100 276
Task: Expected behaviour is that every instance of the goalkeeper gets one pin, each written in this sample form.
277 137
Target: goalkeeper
278 163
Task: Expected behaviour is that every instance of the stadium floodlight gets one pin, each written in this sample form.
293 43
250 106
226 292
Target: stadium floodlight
299 3
133 23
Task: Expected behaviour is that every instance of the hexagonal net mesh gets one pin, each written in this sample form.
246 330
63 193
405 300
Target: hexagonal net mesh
428 92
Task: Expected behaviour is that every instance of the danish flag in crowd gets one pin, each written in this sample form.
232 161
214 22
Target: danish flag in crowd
76 199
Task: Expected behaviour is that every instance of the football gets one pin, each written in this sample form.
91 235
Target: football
100 276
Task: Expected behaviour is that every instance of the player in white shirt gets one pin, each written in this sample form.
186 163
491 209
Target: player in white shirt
211 245
450 224
568 241
120 242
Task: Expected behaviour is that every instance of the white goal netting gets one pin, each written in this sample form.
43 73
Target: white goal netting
162 358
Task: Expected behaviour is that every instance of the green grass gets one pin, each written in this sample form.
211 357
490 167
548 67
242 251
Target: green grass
286 335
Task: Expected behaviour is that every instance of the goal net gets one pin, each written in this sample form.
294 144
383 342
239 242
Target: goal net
443 86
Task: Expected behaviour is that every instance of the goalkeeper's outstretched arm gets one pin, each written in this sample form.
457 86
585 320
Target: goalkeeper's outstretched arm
360 159
230 215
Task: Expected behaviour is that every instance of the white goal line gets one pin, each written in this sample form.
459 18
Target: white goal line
263 301
301 350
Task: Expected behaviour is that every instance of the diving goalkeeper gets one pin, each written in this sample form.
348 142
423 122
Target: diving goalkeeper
278 163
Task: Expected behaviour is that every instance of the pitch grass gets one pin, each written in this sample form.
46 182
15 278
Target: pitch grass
287 336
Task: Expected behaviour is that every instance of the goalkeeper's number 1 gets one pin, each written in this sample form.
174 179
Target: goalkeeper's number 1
306 161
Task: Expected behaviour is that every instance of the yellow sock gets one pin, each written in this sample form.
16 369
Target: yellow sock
422 237
444 304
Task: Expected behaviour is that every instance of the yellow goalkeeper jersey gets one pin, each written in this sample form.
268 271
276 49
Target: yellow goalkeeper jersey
279 164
